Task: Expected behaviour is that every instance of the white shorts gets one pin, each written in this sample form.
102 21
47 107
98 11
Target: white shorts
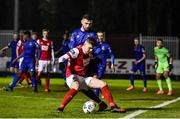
43 66
83 81
20 61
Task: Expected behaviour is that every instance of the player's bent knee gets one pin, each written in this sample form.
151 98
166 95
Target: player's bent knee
75 85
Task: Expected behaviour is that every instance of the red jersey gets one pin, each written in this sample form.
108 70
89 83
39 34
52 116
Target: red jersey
20 46
77 62
45 46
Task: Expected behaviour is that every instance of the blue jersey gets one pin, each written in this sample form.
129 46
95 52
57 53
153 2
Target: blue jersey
139 50
78 37
65 46
103 51
13 45
30 47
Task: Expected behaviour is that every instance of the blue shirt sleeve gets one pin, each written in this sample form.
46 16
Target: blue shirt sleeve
72 40
111 54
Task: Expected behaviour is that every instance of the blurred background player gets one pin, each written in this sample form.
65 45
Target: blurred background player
30 48
46 57
12 45
163 65
63 50
102 52
78 60
19 51
138 64
35 36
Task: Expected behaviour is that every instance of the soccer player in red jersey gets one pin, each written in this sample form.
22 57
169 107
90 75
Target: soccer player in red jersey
78 60
46 57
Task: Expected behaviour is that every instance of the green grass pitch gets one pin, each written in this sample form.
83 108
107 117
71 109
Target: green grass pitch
23 103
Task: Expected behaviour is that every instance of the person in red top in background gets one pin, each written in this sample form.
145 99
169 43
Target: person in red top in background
46 57
26 76
78 60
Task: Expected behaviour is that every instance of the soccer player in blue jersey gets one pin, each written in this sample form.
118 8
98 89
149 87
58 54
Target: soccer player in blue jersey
28 63
78 37
138 64
102 52
63 50
12 45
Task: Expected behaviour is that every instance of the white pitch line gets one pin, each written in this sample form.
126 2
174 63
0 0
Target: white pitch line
136 113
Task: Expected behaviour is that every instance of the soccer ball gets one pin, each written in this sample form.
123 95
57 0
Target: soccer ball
89 107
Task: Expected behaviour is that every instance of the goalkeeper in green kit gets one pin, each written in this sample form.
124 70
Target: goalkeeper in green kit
163 65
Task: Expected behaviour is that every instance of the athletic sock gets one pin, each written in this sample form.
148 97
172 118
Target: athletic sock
47 80
92 95
159 82
68 97
144 80
107 96
131 79
15 80
169 84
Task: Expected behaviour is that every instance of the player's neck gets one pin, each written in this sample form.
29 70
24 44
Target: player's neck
45 39
82 29
83 49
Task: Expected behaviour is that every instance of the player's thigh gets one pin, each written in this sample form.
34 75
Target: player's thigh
41 65
158 75
142 69
166 67
31 66
72 82
96 83
159 69
134 69
166 74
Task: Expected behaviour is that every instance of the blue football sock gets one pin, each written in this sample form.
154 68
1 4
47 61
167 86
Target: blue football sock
97 91
15 80
131 79
144 80
34 83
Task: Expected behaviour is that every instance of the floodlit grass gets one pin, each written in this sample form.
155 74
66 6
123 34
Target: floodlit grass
23 102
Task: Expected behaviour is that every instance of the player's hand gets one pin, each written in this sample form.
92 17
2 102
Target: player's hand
61 65
170 67
155 65
112 68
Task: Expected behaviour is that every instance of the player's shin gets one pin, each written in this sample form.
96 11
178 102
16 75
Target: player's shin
34 82
67 98
92 95
131 79
169 84
47 81
159 82
107 96
144 80
15 80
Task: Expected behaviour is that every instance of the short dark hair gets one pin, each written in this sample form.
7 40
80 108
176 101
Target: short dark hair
35 33
87 16
45 30
92 41
27 33
159 39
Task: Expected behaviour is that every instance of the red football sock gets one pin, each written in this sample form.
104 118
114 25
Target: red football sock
22 78
47 80
68 97
107 95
